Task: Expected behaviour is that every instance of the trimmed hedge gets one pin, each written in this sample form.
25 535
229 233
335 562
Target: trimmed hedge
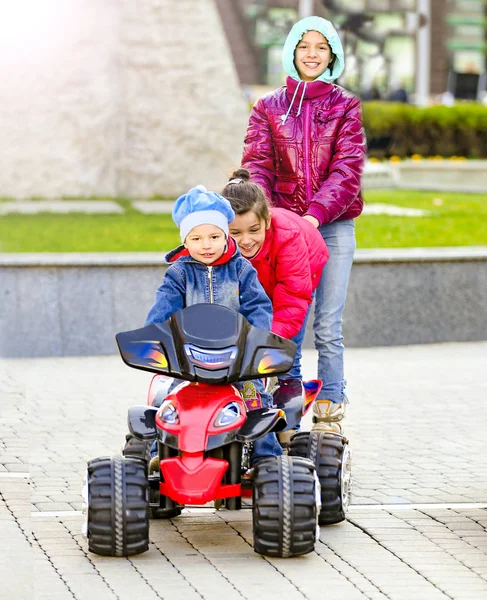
395 129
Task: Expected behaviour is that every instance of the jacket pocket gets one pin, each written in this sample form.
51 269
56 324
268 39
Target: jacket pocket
280 130
285 187
327 123
323 116
286 161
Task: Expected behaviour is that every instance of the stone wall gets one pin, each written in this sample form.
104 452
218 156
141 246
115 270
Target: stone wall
119 97
74 304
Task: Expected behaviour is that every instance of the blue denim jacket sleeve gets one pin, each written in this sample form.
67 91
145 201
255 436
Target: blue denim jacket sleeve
255 305
170 296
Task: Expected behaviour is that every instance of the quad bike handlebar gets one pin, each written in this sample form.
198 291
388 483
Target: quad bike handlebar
208 343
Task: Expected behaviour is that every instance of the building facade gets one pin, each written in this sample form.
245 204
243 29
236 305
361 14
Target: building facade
117 98
428 46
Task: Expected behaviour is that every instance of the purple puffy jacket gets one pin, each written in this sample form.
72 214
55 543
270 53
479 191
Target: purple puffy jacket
308 157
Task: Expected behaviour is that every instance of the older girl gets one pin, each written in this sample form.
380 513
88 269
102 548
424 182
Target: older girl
305 146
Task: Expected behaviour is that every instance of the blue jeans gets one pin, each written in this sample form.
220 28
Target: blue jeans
329 304
298 339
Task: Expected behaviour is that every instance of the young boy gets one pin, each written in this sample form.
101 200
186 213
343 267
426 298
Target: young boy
208 267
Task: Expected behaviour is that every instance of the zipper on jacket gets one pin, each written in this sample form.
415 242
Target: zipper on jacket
210 280
307 167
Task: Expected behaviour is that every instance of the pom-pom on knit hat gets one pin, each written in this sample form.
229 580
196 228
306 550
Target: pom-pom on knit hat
201 207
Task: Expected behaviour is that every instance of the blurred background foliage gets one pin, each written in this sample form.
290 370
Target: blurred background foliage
395 129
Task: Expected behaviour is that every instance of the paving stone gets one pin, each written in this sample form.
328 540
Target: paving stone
53 506
375 554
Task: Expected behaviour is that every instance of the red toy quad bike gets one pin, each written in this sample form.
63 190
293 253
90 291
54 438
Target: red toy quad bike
203 431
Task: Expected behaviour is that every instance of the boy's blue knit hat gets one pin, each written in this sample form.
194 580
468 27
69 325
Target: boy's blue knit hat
201 207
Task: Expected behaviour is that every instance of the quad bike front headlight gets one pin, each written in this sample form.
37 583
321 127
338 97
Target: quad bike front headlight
168 413
228 415
210 359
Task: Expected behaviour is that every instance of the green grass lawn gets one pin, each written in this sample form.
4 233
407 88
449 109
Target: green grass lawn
456 220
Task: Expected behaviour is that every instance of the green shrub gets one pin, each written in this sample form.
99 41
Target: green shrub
395 129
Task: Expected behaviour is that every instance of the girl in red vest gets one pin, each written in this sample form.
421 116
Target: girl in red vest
288 254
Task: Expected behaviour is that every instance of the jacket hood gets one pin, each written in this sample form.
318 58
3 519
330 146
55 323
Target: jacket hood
329 32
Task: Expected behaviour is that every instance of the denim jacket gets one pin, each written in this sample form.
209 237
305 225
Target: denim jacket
233 284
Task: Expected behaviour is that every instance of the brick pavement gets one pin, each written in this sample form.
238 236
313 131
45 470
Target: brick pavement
416 529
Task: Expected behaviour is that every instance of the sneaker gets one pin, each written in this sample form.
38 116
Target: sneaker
328 416
326 411
284 438
324 427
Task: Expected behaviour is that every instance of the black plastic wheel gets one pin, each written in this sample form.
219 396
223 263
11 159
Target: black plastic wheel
118 506
136 448
284 506
331 456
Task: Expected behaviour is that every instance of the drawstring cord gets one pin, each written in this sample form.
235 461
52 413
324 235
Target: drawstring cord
302 98
284 117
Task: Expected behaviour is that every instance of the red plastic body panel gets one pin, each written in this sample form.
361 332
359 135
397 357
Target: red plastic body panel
191 478
199 405
246 492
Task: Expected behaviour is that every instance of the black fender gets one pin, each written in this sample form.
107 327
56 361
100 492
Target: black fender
293 407
261 421
142 422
